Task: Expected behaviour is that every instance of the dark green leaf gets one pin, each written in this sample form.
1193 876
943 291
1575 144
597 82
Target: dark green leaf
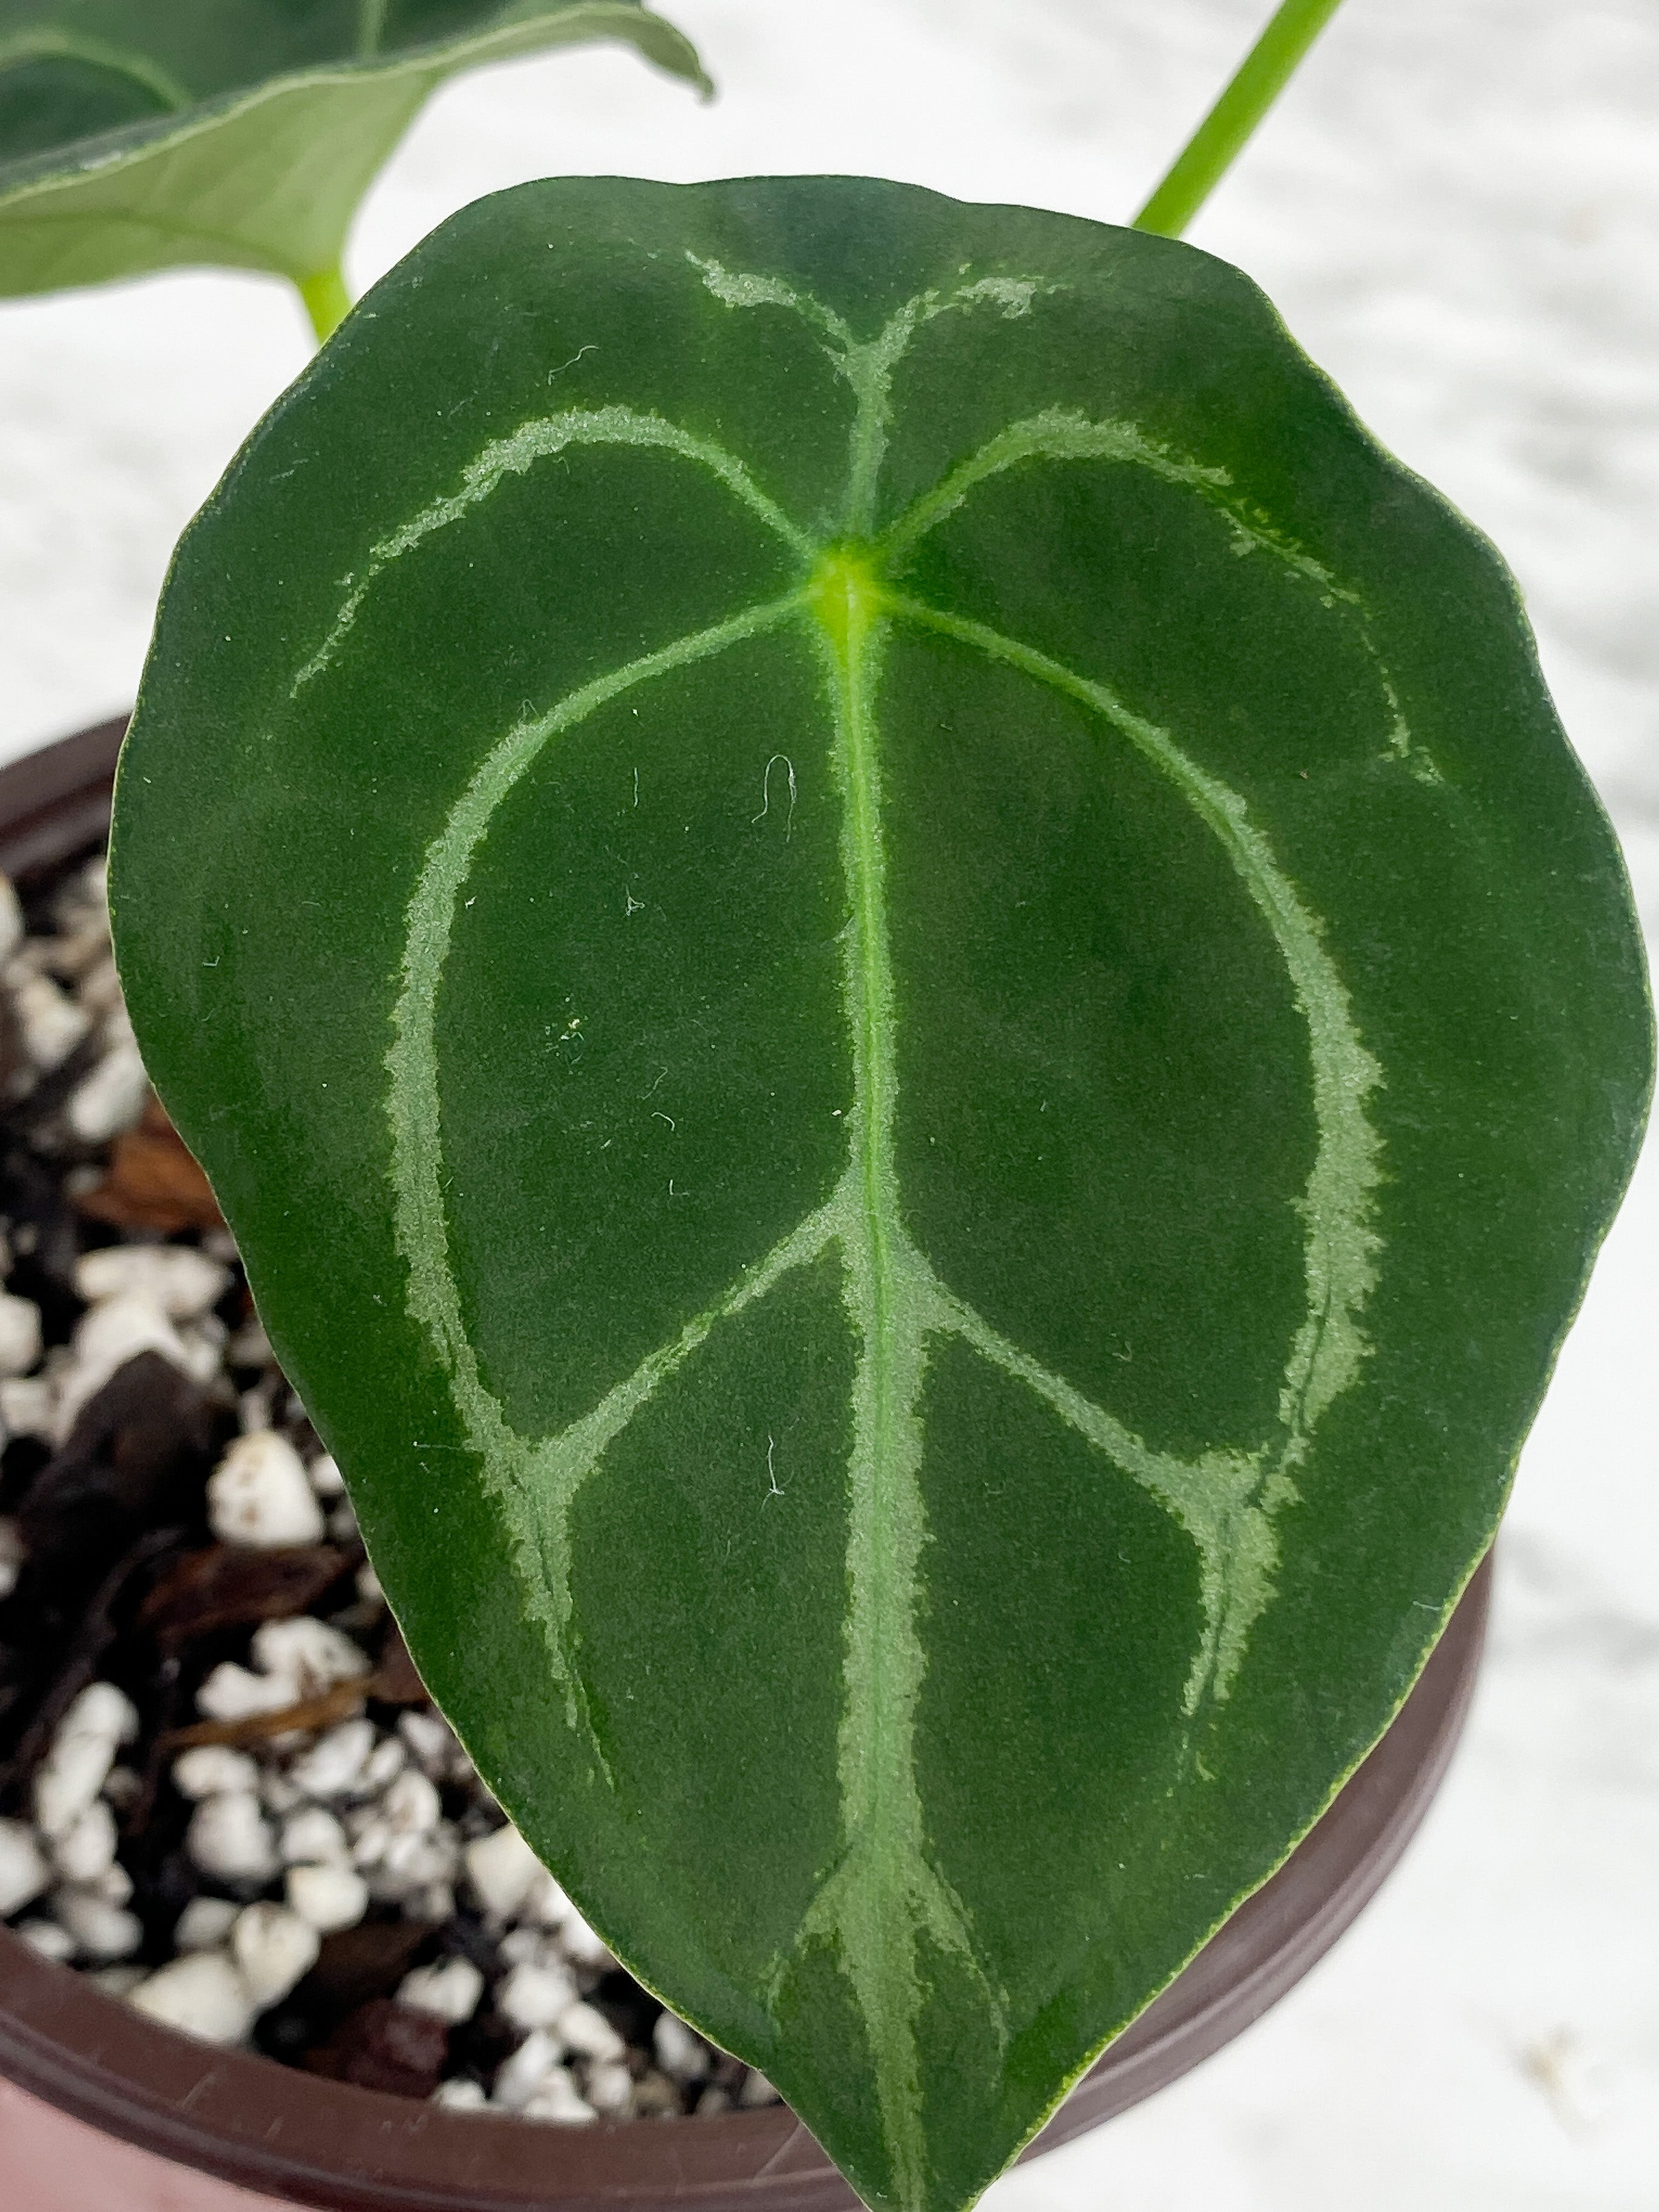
153 134
919 1035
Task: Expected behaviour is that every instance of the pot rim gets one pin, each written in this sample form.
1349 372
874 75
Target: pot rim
268 2128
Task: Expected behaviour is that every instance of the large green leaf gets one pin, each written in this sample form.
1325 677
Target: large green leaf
153 134
919 1035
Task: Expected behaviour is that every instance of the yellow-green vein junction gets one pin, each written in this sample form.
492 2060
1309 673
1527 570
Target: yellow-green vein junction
884 1893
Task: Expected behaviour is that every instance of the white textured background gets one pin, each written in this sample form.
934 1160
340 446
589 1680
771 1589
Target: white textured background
1456 208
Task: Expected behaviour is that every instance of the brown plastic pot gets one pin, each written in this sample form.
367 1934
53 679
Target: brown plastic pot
156 2096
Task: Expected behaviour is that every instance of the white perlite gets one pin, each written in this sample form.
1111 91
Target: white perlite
555 2098
451 1988
334 1765
258 1495
202 1994
230 1839
501 1867
47 1937
207 1769
233 1692
314 1836
411 1805
683 2056
460 2093
273 1948
583 2029
19 1334
307 1653
518 2075
535 1995
86 1848
204 1924
113 1098
53 1024
82 1751
23 1871
13 1550
327 1897
101 1930
182 1283
608 2088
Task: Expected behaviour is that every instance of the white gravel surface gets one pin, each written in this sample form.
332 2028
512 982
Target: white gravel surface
1457 210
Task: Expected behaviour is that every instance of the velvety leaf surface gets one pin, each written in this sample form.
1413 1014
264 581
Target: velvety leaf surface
151 134
919 1035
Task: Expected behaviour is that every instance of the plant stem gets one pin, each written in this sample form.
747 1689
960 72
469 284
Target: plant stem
1221 137
326 300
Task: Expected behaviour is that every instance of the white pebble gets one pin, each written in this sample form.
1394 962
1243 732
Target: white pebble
230 1839
313 1837
308 1652
335 1762
545 1903
259 1494
278 1794
327 1897
501 1867
529 1947
431 1744
535 1996
326 1479
655 2097
105 1337
233 1692
23 1870
118 1981
368 1584
87 1846
370 1839
582 1947
204 1924
47 1937
460 2093
585 2030
273 1948
757 2090
101 1930
683 2056
555 2098
19 1334
53 1024
452 1989
608 2088
99 989
82 1753
111 1097
202 1994
712 2102
184 1283
13 1550
433 1901
28 1406
411 1805
387 1758
11 920
406 1864
518 2074
206 1769
113 1883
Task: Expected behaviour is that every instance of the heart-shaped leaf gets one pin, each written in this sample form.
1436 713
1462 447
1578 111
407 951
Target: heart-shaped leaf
153 134
919 1035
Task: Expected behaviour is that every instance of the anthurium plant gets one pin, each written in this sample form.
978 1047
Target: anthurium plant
137 135
918 1033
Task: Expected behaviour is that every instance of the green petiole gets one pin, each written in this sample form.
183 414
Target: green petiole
1219 139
